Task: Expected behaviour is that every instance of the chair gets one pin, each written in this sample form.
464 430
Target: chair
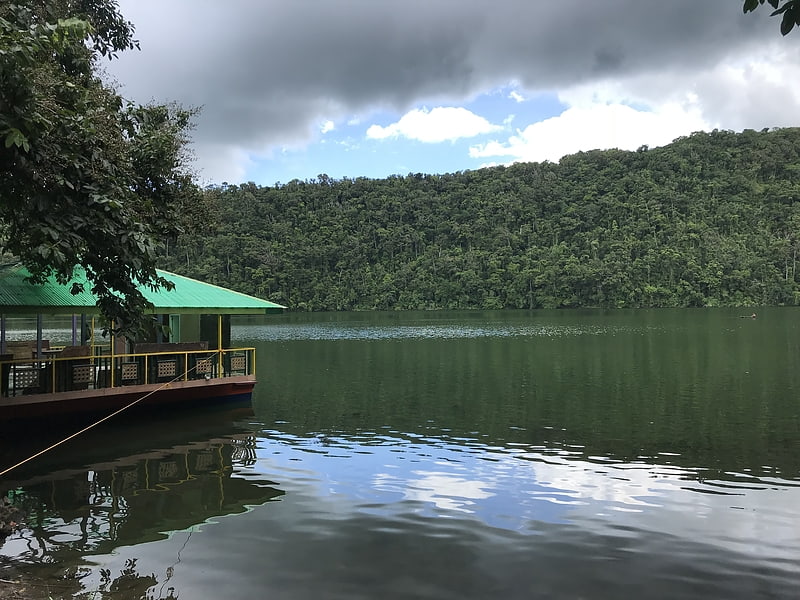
66 370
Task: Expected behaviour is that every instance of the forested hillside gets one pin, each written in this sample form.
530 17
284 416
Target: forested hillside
711 219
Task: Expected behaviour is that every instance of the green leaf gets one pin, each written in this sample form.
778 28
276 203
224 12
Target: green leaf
750 5
788 22
15 137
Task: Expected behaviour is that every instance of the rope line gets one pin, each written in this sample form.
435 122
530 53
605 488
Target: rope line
171 569
96 423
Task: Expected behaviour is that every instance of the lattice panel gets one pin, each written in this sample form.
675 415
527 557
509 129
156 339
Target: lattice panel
25 377
205 461
238 363
82 374
203 366
130 371
168 470
167 368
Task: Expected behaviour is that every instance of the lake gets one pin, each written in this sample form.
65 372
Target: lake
543 454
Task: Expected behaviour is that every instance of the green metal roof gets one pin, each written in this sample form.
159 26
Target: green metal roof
190 295
17 296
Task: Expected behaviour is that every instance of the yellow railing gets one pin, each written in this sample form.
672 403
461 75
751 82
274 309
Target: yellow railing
53 373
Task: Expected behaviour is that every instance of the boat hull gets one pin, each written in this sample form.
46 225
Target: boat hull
107 400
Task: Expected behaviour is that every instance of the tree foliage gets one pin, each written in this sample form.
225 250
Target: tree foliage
788 9
711 219
86 178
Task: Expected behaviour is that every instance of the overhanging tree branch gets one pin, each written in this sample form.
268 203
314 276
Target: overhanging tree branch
86 179
789 9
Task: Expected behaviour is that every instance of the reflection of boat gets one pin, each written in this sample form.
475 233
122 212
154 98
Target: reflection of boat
138 498
126 483
185 357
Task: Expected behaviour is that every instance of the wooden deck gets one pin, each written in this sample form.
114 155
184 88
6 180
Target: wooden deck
77 382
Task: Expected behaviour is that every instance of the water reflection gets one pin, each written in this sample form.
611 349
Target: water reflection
703 387
516 486
549 506
646 455
410 325
401 332
387 513
79 513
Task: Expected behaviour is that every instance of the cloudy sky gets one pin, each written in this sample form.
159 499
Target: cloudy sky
295 88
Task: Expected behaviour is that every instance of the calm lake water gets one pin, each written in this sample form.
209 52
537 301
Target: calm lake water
569 454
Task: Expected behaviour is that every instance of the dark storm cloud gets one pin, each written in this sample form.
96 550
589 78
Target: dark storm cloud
267 72
564 43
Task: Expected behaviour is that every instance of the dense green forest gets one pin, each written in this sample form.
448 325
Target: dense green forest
711 219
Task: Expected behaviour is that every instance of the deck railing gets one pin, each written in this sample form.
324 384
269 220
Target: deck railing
53 374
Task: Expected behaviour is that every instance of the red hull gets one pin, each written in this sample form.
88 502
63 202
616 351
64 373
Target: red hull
107 400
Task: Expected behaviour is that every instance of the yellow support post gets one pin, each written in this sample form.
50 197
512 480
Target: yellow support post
219 345
111 333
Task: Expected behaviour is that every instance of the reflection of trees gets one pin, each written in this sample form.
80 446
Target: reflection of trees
129 582
621 385
134 500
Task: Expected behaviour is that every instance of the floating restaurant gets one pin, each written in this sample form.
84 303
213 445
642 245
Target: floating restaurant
186 357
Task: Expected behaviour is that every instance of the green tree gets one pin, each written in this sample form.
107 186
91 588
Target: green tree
86 179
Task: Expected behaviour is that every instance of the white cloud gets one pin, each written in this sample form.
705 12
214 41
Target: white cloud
754 90
327 126
595 126
353 59
216 163
440 124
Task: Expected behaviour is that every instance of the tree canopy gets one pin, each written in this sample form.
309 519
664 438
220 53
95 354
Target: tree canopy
711 219
86 178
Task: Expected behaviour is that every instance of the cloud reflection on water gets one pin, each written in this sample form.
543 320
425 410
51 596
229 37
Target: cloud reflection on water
392 514
520 490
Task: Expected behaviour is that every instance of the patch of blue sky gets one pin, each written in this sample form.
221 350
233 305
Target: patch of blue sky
402 156
496 106
347 151
352 158
333 155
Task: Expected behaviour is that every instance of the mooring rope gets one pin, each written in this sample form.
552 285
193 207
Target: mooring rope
180 377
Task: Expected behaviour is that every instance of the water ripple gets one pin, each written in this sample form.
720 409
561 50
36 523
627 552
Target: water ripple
345 331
